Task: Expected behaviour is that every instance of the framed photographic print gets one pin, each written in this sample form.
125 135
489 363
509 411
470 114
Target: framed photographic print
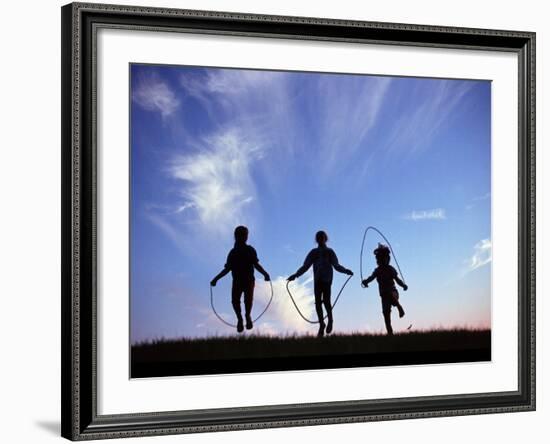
253 204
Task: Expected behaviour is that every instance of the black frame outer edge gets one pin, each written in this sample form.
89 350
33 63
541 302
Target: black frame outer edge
79 420
67 357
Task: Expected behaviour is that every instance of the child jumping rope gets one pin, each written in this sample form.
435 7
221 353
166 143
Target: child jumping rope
385 275
323 260
241 261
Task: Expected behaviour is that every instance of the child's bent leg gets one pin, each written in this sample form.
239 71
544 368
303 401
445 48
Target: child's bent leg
400 310
395 303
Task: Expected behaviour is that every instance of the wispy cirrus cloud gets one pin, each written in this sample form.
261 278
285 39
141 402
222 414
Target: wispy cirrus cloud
241 93
482 255
434 107
239 82
216 185
477 199
270 105
482 197
153 94
215 190
347 110
262 104
420 215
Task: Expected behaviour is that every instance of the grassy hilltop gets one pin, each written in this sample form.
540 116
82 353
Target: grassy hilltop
460 345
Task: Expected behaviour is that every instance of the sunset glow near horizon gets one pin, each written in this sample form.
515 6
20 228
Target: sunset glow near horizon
288 154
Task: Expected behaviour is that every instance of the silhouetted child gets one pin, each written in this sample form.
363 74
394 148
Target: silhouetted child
385 274
241 261
323 260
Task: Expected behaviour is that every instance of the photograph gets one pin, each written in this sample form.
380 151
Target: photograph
294 220
289 220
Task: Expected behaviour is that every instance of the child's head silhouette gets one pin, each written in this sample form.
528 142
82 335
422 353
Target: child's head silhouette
241 234
321 237
382 254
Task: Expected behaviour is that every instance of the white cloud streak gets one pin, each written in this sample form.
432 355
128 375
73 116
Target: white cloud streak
420 215
259 103
240 82
347 112
416 129
240 93
477 199
282 316
482 197
213 172
482 255
216 182
152 94
169 230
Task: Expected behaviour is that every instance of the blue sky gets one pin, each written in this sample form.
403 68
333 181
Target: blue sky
290 153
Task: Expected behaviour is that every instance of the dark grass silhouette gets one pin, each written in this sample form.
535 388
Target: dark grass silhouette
219 354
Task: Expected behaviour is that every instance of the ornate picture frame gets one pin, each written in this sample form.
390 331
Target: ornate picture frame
80 175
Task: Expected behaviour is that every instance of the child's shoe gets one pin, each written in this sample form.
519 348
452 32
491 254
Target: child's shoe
321 331
401 311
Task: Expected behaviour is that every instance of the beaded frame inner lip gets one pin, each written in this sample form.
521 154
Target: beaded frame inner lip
80 419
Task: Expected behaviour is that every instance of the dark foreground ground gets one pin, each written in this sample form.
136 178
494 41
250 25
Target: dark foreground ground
251 353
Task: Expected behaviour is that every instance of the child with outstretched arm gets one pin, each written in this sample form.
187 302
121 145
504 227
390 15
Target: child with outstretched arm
242 260
385 275
323 260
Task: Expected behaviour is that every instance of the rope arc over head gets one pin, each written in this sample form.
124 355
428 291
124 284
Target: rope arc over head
389 245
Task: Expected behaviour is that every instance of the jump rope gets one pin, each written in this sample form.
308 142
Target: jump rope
389 245
369 228
332 306
235 325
